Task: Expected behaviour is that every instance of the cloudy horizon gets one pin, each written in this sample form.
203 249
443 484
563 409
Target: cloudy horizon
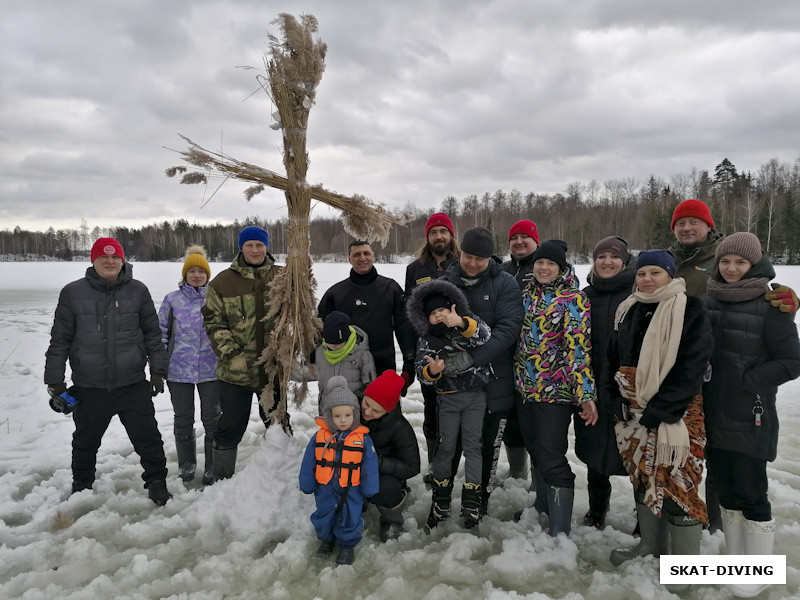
419 100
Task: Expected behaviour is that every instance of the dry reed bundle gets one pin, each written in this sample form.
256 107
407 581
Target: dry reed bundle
294 69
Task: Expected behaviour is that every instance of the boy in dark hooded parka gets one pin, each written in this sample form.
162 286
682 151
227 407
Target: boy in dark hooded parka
441 315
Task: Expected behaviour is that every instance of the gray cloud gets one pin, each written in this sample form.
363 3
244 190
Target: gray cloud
419 99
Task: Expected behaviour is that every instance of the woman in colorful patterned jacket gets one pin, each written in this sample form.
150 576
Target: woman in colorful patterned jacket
192 363
554 377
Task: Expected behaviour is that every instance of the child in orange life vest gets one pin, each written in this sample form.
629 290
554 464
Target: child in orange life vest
340 467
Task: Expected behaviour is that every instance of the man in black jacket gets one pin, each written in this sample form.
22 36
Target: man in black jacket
495 297
439 251
375 304
106 325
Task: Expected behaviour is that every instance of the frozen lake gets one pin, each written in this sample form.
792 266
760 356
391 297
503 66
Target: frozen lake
250 537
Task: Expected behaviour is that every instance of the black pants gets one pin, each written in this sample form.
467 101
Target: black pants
235 402
741 482
391 492
512 436
133 404
430 421
544 428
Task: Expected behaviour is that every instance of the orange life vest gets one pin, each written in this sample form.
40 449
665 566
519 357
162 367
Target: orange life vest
325 449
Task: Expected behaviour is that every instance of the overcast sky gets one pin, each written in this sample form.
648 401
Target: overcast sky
419 100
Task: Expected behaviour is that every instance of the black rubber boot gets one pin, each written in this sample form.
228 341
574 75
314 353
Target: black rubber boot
392 520
471 504
346 556
208 449
187 456
224 462
442 490
158 492
560 500
324 549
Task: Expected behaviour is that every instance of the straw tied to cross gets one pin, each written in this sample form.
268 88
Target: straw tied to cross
294 66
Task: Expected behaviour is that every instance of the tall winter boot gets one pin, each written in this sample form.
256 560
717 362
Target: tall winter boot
599 499
517 462
713 506
224 462
684 538
733 528
471 504
208 449
653 538
187 455
392 519
540 487
759 538
559 501
428 476
442 490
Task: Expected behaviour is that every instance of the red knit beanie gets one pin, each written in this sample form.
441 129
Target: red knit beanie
385 390
439 220
692 208
106 247
526 227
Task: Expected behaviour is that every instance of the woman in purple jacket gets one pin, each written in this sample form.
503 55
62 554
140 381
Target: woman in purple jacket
192 363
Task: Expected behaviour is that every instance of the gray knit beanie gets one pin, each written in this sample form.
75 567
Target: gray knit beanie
338 394
743 244
615 245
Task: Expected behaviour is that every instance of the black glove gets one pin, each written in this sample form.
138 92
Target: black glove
649 419
156 384
60 400
408 377
457 363
56 390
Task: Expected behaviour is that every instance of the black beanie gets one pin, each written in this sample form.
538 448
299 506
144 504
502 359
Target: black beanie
434 301
336 328
479 242
555 250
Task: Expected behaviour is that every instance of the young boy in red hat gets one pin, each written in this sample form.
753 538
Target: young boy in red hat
396 445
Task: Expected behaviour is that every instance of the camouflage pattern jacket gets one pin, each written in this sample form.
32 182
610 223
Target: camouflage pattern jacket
236 304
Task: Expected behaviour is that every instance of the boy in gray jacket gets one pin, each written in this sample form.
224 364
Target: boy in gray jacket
440 314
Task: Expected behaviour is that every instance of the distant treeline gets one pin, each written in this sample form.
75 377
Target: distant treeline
765 203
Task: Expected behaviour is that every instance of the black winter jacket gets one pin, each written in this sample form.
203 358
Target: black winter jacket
418 273
396 445
375 303
496 298
684 380
596 445
521 270
756 349
107 330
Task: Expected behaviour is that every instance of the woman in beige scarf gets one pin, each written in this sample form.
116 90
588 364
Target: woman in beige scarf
658 354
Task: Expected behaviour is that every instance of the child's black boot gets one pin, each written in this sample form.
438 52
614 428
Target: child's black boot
440 506
471 504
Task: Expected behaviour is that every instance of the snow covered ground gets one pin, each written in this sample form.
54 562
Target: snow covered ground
250 537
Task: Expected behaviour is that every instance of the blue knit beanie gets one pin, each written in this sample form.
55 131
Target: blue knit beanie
253 233
658 258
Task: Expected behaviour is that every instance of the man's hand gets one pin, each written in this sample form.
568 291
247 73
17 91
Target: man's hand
783 298
156 384
56 390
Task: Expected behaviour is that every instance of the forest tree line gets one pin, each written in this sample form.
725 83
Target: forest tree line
764 203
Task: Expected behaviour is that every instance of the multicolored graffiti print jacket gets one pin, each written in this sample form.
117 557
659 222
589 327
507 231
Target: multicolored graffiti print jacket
552 361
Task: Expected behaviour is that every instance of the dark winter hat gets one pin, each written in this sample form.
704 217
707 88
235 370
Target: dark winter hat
615 245
743 244
336 328
439 220
479 242
385 390
253 233
555 250
106 247
434 301
338 394
692 208
658 258
525 227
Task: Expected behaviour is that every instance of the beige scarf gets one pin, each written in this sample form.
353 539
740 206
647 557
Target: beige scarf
656 358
